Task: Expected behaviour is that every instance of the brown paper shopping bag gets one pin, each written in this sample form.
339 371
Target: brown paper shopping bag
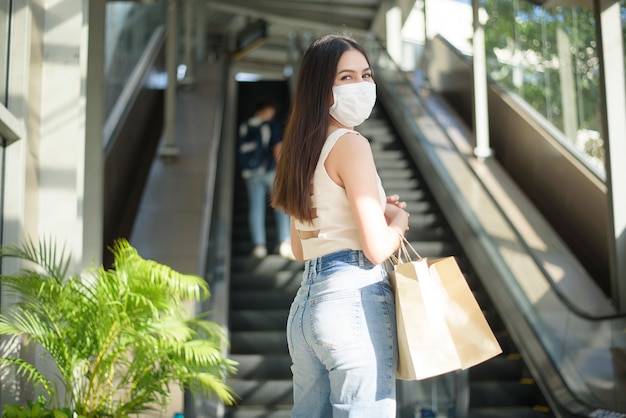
441 328
473 338
425 345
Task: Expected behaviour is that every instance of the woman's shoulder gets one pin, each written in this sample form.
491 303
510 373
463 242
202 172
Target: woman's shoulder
346 136
351 147
352 139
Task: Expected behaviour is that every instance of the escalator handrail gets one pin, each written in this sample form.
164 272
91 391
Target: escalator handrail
217 221
567 402
132 87
560 295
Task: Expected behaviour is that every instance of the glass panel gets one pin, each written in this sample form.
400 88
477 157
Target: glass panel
5 7
548 57
129 26
451 19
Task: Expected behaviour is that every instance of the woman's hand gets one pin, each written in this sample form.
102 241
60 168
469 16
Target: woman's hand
396 216
394 199
395 213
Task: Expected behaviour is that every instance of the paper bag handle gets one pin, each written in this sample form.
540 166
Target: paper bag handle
403 251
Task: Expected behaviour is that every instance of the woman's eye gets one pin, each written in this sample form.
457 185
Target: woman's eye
368 75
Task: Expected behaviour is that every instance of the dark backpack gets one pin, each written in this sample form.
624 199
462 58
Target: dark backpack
251 151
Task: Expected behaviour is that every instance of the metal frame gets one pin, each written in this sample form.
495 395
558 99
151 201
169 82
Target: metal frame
611 52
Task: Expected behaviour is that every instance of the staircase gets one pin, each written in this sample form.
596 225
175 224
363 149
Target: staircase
262 290
260 296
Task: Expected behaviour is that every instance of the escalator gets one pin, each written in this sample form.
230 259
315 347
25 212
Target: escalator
261 292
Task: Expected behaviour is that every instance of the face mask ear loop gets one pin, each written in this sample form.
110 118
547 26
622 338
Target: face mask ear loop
335 101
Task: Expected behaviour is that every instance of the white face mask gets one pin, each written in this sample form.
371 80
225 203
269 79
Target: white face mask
353 103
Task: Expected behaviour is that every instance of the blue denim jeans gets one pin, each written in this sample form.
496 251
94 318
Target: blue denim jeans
259 186
341 333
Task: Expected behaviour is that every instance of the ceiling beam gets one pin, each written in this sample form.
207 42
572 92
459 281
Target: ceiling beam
295 19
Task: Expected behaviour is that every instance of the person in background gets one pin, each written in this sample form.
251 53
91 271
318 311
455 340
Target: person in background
341 329
258 148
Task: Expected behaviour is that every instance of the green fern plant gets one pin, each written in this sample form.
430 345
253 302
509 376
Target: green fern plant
119 337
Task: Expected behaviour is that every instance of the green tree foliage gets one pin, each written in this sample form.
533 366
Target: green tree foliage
526 56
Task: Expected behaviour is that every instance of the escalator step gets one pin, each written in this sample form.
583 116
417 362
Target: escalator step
283 281
261 292
259 367
272 264
419 207
260 299
425 222
501 367
502 394
272 393
260 412
510 412
265 320
390 158
433 249
258 342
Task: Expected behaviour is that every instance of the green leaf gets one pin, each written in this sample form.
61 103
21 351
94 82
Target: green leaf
29 372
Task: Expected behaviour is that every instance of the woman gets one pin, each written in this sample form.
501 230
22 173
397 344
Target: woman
341 329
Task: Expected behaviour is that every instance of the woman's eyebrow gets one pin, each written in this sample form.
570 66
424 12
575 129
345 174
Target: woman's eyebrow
348 70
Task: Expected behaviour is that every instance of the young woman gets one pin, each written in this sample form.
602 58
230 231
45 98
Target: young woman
341 329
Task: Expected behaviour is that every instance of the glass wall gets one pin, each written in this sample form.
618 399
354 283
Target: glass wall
129 26
549 58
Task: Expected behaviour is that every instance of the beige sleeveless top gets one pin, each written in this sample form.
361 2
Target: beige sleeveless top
333 228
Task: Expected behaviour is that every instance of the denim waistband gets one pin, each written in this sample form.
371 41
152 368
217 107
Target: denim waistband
352 257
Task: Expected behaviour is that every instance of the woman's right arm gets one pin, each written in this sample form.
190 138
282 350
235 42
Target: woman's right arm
351 165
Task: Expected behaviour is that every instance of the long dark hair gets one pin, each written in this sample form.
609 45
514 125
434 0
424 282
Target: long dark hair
307 126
